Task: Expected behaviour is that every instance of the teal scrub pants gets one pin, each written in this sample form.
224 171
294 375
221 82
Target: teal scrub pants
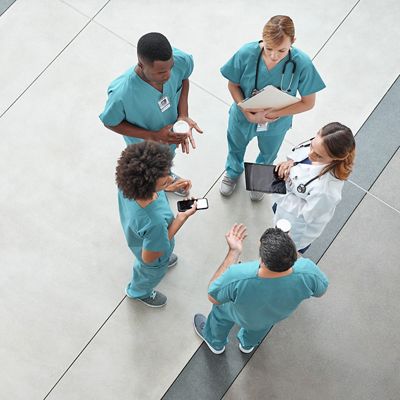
145 278
269 143
219 324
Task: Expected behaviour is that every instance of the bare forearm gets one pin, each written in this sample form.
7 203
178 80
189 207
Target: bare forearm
127 129
176 225
183 107
231 258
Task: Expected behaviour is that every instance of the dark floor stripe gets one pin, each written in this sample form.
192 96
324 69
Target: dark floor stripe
5 5
207 376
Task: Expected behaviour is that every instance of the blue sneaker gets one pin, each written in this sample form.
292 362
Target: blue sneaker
199 322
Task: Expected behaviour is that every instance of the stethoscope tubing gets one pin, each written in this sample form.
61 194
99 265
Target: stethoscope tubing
287 62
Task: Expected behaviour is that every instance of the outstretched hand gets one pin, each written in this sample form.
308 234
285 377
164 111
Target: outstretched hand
189 138
235 237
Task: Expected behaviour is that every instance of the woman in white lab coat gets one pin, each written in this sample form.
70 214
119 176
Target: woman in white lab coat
315 173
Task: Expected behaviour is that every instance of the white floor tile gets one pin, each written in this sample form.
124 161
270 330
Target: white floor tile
32 33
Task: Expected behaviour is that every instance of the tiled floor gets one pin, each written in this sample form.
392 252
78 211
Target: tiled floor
67 331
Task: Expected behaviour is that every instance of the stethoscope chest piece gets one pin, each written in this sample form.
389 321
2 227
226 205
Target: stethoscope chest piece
301 188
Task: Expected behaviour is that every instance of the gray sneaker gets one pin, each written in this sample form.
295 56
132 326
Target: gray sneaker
199 322
179 192
173 260
156 299
245 350
256 196
228 185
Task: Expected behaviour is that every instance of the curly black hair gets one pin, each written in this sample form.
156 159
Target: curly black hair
139 167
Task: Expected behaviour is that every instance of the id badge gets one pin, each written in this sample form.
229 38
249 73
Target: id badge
164 103
262 127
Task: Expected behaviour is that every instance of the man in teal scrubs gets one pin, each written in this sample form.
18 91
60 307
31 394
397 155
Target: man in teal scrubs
257 294
146 100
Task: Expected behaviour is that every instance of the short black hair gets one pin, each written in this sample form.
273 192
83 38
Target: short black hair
154 46
277 250
139 167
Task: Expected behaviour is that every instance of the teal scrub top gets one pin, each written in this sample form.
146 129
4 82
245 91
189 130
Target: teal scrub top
147 228
241 69
132 99
258 303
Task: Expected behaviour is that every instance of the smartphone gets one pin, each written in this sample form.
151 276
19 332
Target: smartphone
185 205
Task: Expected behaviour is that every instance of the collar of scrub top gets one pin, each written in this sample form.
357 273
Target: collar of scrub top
287 62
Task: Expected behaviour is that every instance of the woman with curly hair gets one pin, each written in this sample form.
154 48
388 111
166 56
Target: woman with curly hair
315 175
142 175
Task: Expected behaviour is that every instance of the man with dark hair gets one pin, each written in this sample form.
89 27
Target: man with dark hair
257 294
146 100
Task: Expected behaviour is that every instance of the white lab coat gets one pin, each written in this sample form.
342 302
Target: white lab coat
308 212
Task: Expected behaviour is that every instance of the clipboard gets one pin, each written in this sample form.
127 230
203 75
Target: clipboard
263 178
269 97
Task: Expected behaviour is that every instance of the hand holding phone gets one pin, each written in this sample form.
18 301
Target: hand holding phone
185 205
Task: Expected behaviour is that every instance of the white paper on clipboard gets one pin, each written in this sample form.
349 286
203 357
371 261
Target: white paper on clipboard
269 97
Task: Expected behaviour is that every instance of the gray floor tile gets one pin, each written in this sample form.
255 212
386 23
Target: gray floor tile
387 187
4 5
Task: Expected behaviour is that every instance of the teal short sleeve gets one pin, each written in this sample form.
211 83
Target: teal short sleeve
183 63
189 66
321 283
310 81
224 288
113 113
233 69
316 280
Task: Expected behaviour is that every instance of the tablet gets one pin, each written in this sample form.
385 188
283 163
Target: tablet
263 178
269 97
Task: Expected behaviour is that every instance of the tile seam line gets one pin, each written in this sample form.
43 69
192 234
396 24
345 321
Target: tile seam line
54 59
83 349
336 29
8 7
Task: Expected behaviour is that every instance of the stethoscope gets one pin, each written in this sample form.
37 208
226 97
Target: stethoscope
287 62
302 188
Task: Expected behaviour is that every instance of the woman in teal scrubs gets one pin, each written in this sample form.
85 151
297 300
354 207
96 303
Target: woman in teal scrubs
272 61
143 172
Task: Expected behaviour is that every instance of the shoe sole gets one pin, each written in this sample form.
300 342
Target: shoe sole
205 341
152 306
244 351
173 264
148 305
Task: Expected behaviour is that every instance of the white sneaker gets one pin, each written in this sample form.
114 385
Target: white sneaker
256 196
245 350
227 186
